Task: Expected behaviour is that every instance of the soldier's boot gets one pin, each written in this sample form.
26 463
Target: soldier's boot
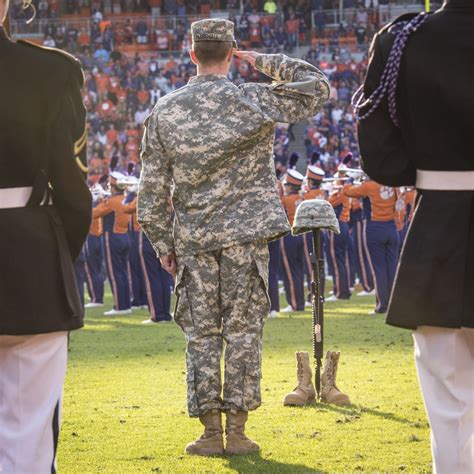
236 441
330 393
211 442
304 393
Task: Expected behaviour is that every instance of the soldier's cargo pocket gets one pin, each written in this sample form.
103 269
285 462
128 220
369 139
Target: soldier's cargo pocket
262 268
251 395
182 315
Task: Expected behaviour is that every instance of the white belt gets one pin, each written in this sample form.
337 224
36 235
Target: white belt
445 180
14 197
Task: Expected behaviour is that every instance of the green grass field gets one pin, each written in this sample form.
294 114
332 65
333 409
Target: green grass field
124 408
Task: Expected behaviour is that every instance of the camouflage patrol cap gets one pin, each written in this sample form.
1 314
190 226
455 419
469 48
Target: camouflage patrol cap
212 29
315 214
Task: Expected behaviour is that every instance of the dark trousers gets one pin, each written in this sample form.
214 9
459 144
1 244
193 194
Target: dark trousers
292 258
116 248
79 273
364 270
308 250
350 259
158 282
273 272
93 268
138 282
337 252
382 242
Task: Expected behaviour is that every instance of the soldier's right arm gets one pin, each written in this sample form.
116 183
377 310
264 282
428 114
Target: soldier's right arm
154 193
300 90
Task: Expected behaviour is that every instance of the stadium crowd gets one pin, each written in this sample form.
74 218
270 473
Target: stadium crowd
129 65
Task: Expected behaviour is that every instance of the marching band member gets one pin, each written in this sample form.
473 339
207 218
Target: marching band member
157 282
337 248
400 216
292 248
363 268
139 299
314 177
381 236
93 268
116 245
274 262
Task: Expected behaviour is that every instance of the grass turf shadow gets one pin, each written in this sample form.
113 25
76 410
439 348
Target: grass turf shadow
255 463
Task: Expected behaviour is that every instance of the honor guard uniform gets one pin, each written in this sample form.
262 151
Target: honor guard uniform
314 179
116 245
157 282
338 247
93 268
362 263
207 154
381 236
292 246
423 137
139 299
45 211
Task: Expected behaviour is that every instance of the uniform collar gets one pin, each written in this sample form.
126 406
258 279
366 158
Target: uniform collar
3 34
206 77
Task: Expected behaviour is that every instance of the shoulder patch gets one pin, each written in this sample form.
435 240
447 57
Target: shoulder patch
72 60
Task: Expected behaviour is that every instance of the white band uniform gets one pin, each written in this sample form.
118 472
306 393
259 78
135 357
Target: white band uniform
445 180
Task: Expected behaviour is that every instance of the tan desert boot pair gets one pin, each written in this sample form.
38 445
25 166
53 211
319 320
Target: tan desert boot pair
305 394
211 442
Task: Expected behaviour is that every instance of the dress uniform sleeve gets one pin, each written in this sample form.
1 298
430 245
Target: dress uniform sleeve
356 191
336 199
131 207
299 91
154 192
383 152
101 210
71 195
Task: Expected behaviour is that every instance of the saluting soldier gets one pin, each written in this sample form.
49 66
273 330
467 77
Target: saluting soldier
207 153
45 210
422 135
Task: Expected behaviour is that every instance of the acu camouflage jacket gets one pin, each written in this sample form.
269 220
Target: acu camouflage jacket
207 154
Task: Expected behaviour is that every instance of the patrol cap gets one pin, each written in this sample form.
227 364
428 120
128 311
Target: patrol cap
315 214
315 173
213 29
294 177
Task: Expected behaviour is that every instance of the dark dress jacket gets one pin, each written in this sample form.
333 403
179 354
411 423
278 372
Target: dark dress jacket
42 144
435 108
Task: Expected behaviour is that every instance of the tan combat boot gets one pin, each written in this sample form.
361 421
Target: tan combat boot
329 391
236 441
304 393
210 443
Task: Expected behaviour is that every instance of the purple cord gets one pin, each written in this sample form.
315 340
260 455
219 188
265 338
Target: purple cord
389 78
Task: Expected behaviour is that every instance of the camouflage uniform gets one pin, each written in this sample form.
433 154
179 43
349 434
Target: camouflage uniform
207 153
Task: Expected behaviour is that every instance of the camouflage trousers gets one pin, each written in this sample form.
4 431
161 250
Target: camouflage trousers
222 302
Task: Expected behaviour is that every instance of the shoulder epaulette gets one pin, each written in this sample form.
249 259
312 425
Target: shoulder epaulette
72 60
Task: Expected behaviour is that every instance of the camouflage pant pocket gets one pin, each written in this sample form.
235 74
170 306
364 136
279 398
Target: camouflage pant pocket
251 393
192 400
182 311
